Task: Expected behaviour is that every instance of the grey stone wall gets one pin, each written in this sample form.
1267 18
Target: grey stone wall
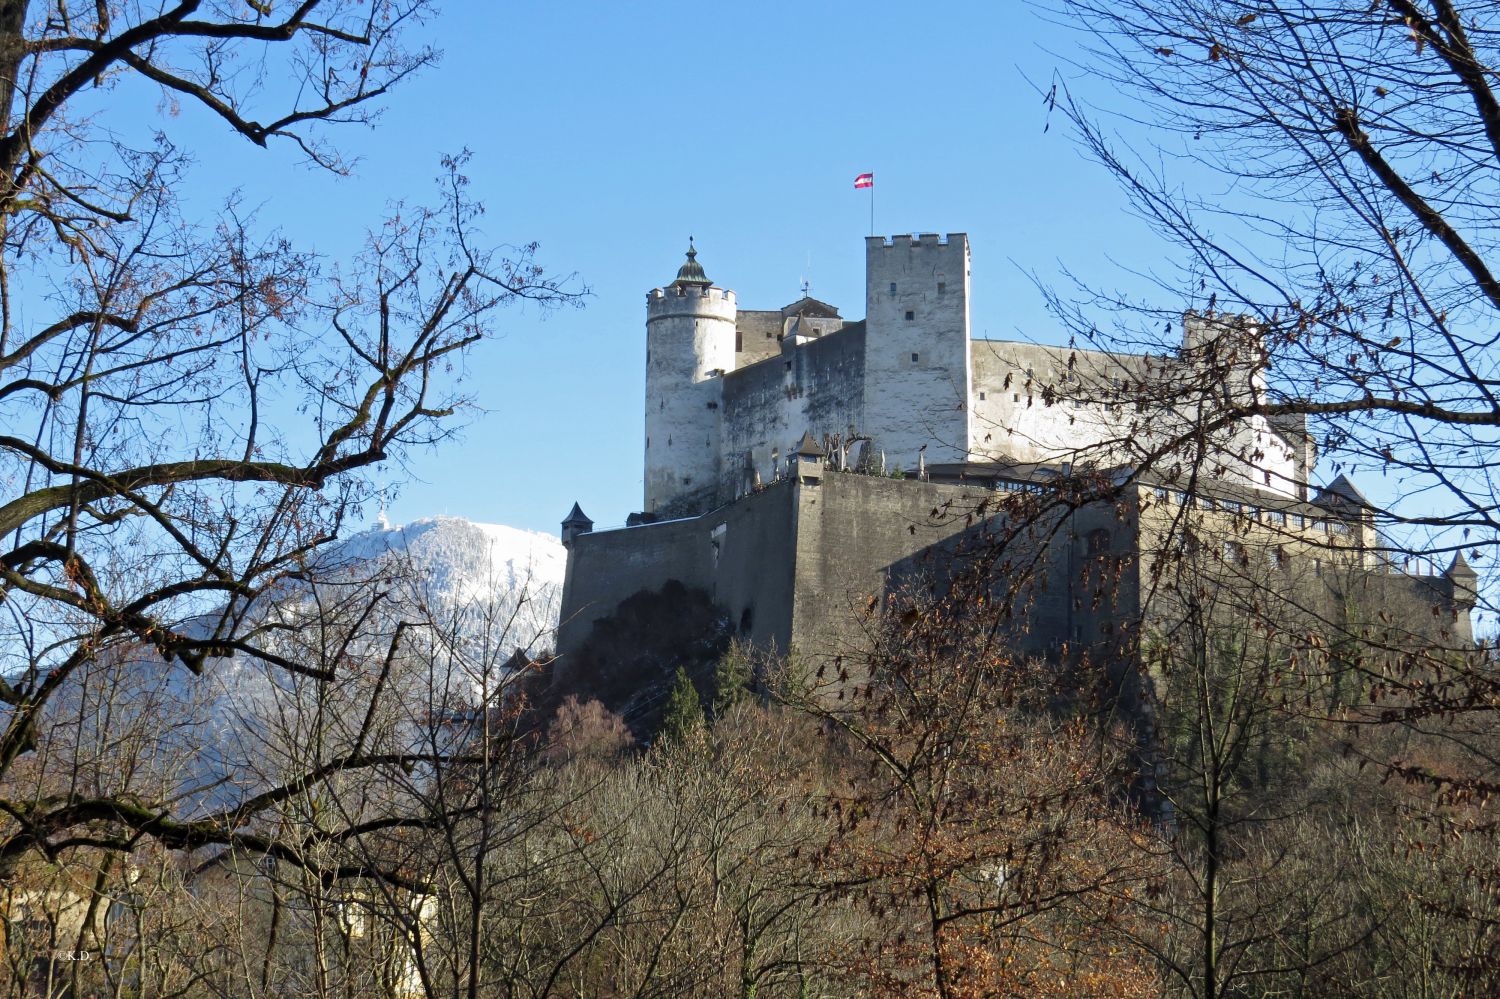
815 385
741 555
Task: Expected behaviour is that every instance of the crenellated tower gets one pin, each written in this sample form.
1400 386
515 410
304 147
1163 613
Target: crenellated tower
690 344
917 361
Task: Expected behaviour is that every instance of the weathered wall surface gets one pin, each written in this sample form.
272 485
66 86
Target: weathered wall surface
1057 404
741 555
852 531
859 536
811 385
1031 404
757 336
1263 555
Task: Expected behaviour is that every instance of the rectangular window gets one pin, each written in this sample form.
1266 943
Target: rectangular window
942 287
893 287
981 397
914 356
910 315
739 341
1276 517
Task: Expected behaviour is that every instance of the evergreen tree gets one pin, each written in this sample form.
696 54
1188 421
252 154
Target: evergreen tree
684 714
732 678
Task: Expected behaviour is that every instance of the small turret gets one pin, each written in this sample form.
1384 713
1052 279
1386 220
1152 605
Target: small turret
809 460
1464 579
1341 496
576 523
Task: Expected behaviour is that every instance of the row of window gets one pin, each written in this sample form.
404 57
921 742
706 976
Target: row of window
1276 518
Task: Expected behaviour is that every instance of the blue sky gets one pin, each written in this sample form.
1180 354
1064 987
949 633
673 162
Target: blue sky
611 132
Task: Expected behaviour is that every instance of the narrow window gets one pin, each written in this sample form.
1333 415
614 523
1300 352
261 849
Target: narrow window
981 397
739 341
893 287
1015 397
913 358
942 287
910 315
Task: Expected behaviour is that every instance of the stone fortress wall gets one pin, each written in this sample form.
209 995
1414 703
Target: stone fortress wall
793 543
729 392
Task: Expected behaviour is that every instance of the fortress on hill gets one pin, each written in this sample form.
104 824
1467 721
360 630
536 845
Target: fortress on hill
798 464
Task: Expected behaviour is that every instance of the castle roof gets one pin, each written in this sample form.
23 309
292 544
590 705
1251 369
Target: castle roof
809 306
1461 567
809 448
691 272
576 517
1342 490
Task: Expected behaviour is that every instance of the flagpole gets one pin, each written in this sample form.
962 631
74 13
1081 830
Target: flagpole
872 208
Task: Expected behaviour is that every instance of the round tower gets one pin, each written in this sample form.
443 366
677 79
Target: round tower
689 347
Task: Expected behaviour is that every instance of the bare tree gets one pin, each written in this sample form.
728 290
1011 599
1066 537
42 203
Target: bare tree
186 408
1326 169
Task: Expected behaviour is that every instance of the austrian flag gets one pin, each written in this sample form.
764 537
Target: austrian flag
864 180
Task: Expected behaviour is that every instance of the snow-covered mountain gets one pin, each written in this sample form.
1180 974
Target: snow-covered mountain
458 571
471 594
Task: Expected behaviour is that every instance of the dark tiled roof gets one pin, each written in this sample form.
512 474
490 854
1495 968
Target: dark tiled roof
809 448
808 306
1344 490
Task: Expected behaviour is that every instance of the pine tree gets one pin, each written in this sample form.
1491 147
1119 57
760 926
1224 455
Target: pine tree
684 714
732 678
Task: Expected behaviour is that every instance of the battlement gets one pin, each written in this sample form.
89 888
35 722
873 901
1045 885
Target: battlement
677 300
917 239
689 291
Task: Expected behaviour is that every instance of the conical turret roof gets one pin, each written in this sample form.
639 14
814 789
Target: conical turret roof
809 448
1461 567
691 272
577 518
1344 490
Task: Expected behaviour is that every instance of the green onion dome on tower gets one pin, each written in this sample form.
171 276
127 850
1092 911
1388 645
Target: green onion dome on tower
691 272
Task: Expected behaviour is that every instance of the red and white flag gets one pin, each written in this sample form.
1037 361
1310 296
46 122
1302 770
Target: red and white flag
864 180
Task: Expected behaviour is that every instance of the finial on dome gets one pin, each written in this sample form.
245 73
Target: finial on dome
691 272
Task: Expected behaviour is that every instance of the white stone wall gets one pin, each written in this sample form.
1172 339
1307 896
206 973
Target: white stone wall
1047 404
917 373
689 346
1036 403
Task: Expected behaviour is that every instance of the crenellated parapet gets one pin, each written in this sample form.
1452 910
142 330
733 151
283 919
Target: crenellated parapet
676 300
